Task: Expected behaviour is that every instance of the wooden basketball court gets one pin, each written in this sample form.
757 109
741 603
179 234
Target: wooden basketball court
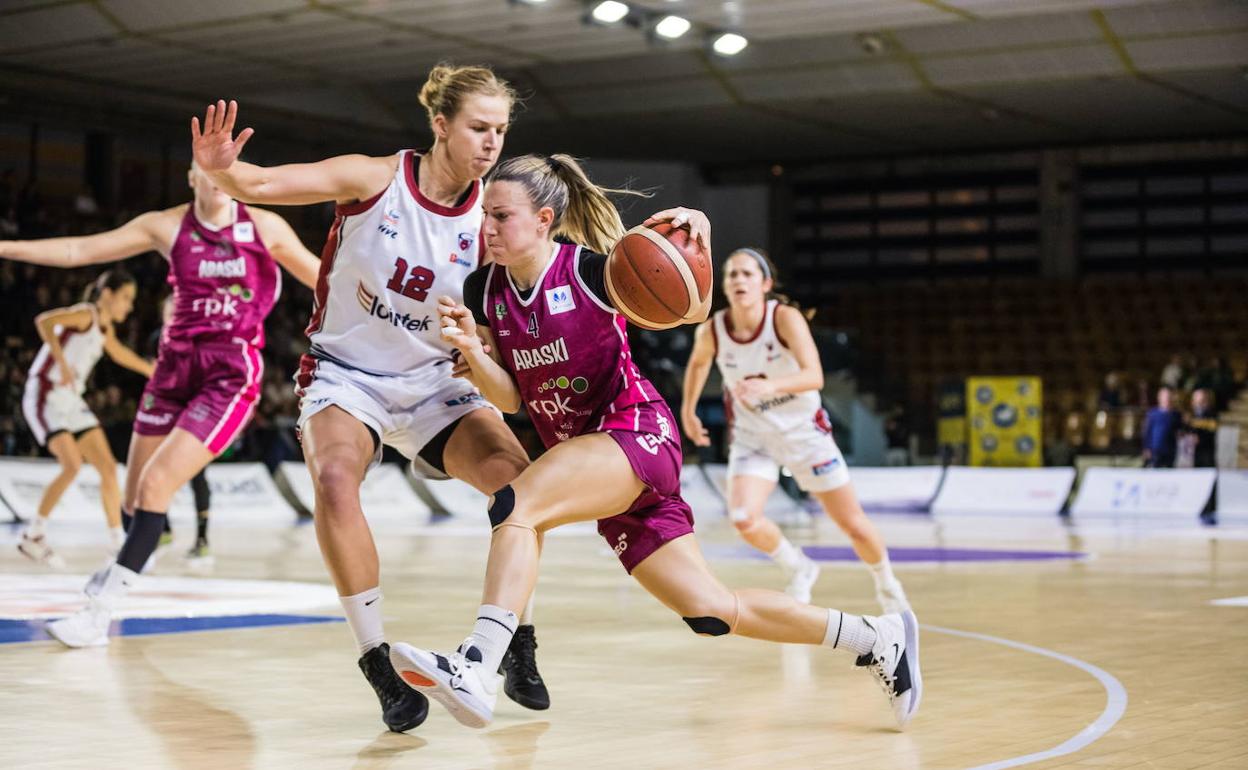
1090 645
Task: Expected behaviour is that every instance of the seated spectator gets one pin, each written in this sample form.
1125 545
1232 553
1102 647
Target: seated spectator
1161 431
1111 394
1174 372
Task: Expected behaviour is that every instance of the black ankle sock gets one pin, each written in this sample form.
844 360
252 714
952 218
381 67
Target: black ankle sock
142 539
201 528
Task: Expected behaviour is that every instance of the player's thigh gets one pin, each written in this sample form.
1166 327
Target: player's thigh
584 479
94 447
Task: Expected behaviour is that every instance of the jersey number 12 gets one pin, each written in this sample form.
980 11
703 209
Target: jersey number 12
418 282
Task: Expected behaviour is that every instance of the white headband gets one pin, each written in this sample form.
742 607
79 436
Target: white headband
759 258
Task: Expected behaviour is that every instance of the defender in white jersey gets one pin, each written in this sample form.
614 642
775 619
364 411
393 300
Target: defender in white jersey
377 372
74 339
772 377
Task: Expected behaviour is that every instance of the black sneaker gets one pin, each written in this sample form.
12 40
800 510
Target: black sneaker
523 683
402 708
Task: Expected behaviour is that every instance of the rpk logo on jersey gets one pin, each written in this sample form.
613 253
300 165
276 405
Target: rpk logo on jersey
226 304
389 226
372 305
559 300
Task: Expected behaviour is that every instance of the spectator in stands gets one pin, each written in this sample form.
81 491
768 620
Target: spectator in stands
1111 393
1220 379
1173 374
1202 426
1161 431
898 437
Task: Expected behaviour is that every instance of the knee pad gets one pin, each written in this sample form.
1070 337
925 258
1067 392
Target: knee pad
501 505
711 626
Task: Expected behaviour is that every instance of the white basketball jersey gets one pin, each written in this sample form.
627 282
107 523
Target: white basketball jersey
386 262
762 355
82 350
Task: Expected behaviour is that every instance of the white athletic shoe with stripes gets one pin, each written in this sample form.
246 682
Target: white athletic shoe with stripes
458 681
894 662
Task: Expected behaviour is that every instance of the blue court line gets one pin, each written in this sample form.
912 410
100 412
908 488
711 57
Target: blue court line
16 631
1115 701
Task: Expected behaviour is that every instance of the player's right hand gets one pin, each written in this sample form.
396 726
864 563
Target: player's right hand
215 148
694 430
458 326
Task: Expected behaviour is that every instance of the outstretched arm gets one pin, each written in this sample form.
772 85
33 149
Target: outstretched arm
124 356
281 241
143 233
345 178
696 372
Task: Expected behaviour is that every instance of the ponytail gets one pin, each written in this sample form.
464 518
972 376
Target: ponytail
583 212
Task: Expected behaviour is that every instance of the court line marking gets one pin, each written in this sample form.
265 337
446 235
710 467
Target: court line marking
1234 601
1115 701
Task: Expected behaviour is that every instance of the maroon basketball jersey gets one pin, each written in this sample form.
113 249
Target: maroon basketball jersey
224 281
566 350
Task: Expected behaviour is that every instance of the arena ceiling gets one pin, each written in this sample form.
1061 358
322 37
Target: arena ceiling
820 78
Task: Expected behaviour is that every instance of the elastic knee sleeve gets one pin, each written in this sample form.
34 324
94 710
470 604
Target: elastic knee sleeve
501 505
710 626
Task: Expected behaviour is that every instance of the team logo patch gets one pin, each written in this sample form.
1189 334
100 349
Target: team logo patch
824 468
465 241
559 300
244 232
500 310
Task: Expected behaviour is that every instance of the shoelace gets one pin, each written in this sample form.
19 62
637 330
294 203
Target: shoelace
459 663
876 667
393 691
525 663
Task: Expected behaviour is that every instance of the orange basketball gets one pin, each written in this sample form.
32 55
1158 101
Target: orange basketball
658 277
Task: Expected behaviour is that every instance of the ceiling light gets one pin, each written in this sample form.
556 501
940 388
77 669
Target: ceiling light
609 11
672 27
728 44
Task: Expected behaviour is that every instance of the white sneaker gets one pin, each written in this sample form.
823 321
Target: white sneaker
802 581
37 550
457 681
892 598
88 627
894 661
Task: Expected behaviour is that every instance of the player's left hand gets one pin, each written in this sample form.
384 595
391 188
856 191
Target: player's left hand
699 226
753 390
458 326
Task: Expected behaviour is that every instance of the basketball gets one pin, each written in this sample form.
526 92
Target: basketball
658 277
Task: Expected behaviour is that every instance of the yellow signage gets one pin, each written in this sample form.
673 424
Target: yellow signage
1003 416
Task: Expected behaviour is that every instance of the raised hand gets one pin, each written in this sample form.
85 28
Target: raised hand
215 148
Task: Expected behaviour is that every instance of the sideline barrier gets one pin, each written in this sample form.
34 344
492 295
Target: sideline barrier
1144 491
385 494
240 491
1233 491
1004 490
911 488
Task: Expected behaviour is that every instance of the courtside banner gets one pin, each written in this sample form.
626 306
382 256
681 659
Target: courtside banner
246 492
1004 490
1144 491
22 483
1233 492
385 496
896 489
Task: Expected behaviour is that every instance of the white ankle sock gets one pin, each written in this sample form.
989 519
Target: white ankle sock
492 634
364 616
882 573
526 617
36 528
788 556
848 632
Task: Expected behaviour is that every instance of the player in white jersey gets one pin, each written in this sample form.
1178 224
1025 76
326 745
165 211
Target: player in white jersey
772 377
74 338
378 371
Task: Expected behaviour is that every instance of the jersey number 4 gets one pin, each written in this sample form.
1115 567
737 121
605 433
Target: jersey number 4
417 284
